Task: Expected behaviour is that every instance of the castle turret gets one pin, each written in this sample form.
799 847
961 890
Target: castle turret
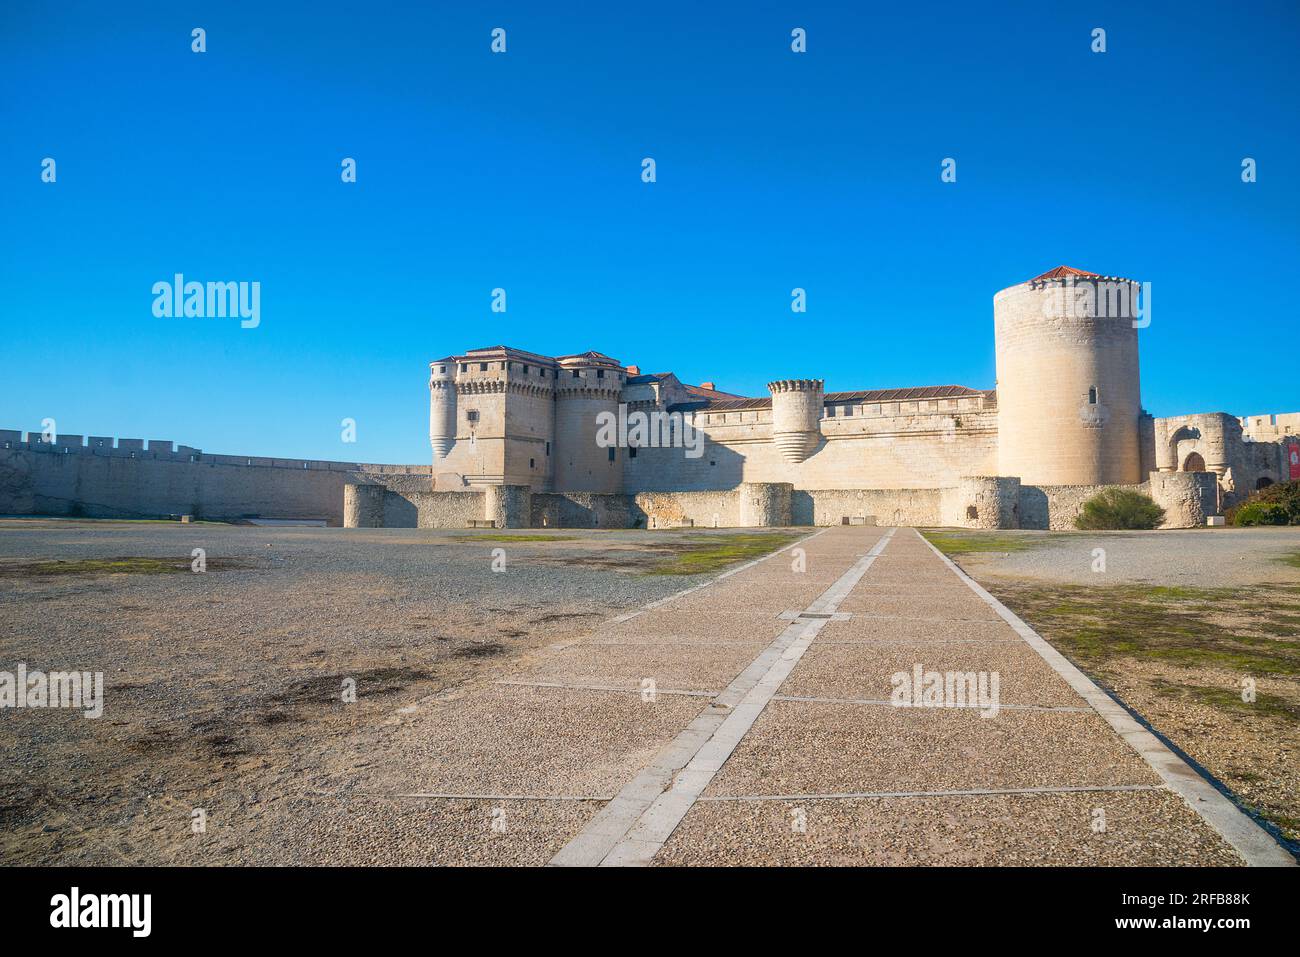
585 386
442 406
797 407
1067 380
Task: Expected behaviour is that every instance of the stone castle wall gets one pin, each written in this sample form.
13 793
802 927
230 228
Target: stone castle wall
134 479
919 444
988 502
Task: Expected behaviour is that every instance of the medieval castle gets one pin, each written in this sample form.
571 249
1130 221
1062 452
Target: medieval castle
1066 413
520 439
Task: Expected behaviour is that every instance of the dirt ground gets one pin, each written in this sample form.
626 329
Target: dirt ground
225 690
1199 633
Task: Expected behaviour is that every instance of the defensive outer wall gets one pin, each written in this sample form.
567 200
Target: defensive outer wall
97 478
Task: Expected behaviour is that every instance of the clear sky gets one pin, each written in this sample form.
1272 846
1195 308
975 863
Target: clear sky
523 171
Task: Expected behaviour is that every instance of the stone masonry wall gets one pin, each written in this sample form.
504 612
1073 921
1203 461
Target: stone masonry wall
70 477
912 506
448 509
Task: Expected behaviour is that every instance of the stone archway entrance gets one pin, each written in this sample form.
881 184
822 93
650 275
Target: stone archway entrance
1194 463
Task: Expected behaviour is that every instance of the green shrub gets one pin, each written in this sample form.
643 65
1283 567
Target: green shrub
1261 513
1279 504
1119 508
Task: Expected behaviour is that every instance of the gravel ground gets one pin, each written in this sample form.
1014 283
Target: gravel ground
223 690
1247 626
996 830
223 704
1198 557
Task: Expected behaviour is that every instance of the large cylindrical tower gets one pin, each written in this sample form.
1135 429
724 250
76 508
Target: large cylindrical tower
442 406
586 386
797 407
1067 380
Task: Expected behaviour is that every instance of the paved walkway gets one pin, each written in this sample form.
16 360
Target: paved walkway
753 721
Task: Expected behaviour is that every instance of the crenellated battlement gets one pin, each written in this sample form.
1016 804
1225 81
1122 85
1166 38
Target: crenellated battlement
480 386
164 450
797 385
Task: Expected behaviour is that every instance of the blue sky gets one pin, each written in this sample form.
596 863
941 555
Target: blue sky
522 171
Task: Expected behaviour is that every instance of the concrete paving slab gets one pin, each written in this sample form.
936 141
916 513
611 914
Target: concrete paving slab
1142 828
868 629
866 671
536 741
782 590
669 666
424 832
922 606
672 624
803 748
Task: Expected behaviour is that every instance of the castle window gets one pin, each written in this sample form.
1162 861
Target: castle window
532 464
600 373
972 511
1092 396
471 415
464 367
442 368
525 370
482 367
830 411
576 375
548 448
543 372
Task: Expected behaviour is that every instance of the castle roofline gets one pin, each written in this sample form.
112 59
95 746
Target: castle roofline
599 358
906 394
697 391
703 393
508 352
1069 272
867 395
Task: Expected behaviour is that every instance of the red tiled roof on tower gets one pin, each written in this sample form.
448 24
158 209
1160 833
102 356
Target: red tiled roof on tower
1065 272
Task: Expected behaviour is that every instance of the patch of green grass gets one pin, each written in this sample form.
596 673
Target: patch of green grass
110 566
1292 559
1229 699
80 519
509 538
1182 626
701 556
1176 593
965 543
